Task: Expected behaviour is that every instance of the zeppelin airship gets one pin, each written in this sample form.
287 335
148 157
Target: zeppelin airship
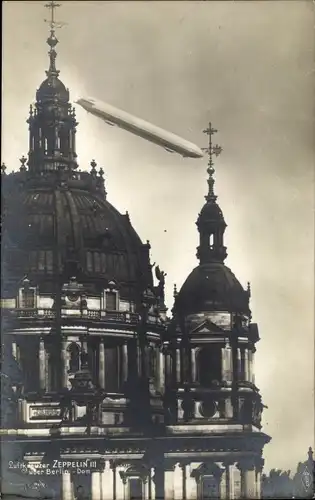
139 127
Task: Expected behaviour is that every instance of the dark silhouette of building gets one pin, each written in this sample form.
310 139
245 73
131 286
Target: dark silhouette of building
118 400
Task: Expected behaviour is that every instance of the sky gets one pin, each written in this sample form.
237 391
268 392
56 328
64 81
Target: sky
248 67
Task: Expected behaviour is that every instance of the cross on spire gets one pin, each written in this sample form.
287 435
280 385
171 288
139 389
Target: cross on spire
211 150
52 22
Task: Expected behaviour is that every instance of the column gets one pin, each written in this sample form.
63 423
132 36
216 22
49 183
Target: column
178 482
146 488
250 365
246 363
42 364
124 354
119 485
259 468
253 367
14 350
193 365
169 483
191 483
101 369
224 485
161 371
107 482
96 485
239 365
66 486
248 479
64 364
250 482
178 377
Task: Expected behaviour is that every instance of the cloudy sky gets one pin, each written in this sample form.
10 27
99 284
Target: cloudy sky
249 68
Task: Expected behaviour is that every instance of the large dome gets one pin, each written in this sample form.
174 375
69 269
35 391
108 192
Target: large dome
48 225
212 287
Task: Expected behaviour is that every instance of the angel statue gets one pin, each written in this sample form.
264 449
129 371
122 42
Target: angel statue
160 276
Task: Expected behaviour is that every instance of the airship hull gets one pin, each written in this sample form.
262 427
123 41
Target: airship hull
141 128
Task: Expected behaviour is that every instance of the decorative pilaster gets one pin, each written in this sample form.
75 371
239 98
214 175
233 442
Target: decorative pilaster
66 486
42 364
191 483
101 373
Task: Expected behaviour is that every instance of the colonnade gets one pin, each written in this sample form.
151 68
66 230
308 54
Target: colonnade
182 481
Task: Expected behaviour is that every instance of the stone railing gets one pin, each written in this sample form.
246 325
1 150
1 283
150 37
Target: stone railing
89 314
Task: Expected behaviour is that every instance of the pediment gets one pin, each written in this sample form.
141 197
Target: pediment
207 327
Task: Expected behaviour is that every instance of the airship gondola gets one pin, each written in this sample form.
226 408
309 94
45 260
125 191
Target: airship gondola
113 116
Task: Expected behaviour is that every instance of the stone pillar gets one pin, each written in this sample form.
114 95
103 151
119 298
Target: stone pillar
101 372
193 365
96 486
66 486
169 482
42 364
124 355
107 482
64 364
157 487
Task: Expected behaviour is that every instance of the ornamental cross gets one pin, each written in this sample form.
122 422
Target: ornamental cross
52 22
211 150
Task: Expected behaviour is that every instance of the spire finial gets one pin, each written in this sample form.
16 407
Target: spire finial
211 150
52 40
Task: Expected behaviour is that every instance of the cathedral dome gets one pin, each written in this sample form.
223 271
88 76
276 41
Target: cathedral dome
51 225
212 287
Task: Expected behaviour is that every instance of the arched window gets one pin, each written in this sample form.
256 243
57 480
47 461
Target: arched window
74 362
209 365
211 240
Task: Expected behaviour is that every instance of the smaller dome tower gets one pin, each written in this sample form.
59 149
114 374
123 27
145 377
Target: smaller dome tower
210 386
